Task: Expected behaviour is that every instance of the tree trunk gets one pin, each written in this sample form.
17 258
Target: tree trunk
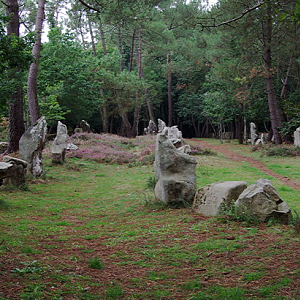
136 114
170 102
33 105
120 49
272 101
239 129
285 83
103 108
103 41
132 50
92 38
16 105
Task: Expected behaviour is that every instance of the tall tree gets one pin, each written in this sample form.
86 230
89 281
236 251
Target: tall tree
33 105
16 103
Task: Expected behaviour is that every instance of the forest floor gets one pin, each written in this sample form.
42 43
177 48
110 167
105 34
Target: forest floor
91 230
226 150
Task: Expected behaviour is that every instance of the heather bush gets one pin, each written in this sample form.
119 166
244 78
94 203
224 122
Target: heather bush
113 149
197 150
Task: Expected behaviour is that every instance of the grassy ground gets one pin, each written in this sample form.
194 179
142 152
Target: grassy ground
89 230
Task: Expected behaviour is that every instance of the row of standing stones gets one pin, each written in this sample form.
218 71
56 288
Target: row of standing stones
175 171
13 170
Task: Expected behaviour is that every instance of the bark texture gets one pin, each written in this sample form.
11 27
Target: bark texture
33 105
16 105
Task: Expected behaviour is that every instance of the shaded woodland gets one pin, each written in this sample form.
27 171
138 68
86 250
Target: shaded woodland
117 64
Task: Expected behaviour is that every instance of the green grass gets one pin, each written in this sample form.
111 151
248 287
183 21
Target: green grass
91 231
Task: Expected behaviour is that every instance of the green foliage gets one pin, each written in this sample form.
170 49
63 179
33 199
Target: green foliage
3 204
96 263
4 129
114 291
295 222
29 268
232 213
219 292
65 85
151 182
15 58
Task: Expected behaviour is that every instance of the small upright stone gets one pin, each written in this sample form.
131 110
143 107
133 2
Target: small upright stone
175 136
31 146
253 134
297 137
59 144
85 126
3 146
151 129
161 125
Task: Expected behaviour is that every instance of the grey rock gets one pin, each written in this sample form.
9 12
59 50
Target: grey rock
71 146
151 129
161 125
175 173
262 201
59 145
12 171
175 136
31 146
85 126
3 147
253 133
210 200
297 137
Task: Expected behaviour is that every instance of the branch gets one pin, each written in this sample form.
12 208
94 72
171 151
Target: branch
245 12
89 7
228 22
4 3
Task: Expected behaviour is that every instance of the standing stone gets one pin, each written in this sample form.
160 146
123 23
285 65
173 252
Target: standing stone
161 125
175 173
85 126
261 201
59 144
151 129
210 200
297 137
253 134
175 136
264 138
32 144
3 147
12 171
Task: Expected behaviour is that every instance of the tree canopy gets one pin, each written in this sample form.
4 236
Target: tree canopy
118 64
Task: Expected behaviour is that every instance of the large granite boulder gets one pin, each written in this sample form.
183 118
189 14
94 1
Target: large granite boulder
59 145
12 171
175 173
31 146
211 199
261 201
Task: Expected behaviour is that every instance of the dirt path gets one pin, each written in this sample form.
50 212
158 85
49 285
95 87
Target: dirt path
224 149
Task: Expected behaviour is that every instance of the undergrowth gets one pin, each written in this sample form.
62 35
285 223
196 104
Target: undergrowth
274 150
